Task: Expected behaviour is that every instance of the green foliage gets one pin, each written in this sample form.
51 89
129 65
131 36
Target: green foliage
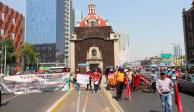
28 54
10 51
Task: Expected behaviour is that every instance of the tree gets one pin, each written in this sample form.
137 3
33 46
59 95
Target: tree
29 55
10 51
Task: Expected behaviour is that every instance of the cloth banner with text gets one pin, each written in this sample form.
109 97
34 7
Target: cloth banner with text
82 78
23 84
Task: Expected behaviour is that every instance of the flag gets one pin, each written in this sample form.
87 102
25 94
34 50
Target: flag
177 98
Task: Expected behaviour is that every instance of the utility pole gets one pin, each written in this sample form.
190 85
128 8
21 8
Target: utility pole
2 56
5 64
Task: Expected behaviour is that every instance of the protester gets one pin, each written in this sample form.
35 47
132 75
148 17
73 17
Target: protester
96 79
120 83
136 80
77 86
100 78
168 73
130 76
173 76
90 80
164 87
106 73
153 81
178 73
128 80
111 79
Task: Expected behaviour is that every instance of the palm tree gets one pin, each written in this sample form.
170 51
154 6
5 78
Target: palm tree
28 54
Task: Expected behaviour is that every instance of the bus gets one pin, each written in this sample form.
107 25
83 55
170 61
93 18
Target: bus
58 69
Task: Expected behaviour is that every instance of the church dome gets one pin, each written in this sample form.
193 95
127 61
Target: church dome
92 19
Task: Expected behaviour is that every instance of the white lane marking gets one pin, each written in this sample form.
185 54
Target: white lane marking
78 101
85 103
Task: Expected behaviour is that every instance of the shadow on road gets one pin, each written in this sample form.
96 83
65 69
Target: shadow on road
4 103
154 111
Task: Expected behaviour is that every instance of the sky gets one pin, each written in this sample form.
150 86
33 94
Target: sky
153 26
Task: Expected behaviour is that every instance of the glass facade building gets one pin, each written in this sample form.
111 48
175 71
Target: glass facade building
78 17
45 24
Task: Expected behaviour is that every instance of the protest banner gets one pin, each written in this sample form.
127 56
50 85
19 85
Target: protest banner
83 78
22 84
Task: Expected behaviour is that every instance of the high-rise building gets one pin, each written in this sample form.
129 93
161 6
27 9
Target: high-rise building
78 17
177 50
123 42
69 23
188 25
123 48
11 25
45 28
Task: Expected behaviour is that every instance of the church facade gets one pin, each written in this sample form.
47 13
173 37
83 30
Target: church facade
93 44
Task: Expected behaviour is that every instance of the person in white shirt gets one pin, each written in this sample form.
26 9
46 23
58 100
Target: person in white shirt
164 87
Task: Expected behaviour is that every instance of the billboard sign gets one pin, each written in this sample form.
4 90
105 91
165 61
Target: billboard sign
166 55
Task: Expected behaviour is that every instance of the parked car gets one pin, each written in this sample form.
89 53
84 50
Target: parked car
186 83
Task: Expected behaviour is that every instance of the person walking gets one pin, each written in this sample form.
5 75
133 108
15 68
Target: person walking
120 83
130 76
89 73
96 78
153 81
111 80
164 87
173 76
128 80
136 80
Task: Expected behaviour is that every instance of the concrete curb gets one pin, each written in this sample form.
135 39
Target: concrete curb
56 106
116 107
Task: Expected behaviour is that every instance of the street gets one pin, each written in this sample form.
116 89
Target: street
36 102
150 102
87 101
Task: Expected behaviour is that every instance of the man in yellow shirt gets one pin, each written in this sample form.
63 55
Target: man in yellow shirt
120 82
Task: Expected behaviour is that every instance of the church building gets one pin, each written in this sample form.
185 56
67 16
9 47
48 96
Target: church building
93 44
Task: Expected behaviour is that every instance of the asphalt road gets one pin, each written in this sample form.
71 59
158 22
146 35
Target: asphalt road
87 101
149 102
36 102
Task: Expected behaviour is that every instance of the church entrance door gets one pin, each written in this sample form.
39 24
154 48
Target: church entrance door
93 66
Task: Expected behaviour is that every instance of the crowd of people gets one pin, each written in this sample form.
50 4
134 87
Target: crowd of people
119 79
129 80
95 78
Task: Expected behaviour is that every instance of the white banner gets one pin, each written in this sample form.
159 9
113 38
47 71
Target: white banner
82 78
22 84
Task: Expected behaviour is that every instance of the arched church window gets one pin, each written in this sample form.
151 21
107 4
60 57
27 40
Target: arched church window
94 52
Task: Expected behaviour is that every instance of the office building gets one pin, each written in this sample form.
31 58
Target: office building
45 27
69 23
188 25
78 17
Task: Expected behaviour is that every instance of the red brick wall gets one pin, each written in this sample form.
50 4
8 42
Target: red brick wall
94 36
